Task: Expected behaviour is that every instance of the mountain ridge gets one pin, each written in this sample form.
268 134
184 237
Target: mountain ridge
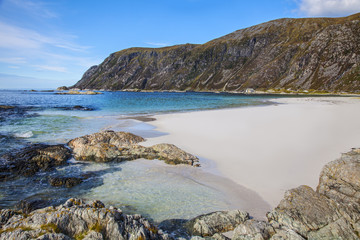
299 54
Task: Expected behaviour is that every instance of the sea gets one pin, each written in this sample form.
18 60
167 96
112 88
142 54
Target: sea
151 188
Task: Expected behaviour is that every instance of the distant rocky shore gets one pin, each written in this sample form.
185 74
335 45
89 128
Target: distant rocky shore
330 212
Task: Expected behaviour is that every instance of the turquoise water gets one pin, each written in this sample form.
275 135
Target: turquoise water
152 188
46 119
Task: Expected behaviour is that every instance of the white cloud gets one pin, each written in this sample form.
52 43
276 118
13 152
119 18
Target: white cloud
37 8
157 44
51 68
328 7
12 60
14 37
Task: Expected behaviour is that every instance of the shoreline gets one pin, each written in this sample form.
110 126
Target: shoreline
267 149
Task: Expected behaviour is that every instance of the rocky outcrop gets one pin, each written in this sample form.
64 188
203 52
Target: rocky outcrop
216 222
340 180
332 212
253 229
77 220
30 160
122 146
297 54
62 88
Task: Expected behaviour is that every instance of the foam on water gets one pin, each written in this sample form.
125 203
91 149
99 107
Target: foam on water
27 134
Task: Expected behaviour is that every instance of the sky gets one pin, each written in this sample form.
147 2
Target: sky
46 44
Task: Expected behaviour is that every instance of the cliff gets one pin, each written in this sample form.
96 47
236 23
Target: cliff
297 54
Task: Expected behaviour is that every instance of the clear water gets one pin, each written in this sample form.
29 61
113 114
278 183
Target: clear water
155 190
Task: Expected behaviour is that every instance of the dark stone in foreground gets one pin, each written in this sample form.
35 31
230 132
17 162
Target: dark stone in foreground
30 160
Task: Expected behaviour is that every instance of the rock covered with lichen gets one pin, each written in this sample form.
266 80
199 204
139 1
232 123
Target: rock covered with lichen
76 219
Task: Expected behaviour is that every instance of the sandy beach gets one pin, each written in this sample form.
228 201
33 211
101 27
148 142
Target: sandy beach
267 149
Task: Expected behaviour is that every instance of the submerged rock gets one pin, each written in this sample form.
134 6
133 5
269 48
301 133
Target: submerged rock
27 206
65 181
76 107
30 160
77 220
109 146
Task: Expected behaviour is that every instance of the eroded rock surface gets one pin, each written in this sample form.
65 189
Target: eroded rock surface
216 222
109 146
332 212
77 220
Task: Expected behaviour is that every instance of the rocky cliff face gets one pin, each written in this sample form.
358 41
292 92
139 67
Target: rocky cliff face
300 54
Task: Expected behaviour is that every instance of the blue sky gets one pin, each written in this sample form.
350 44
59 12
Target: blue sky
45 44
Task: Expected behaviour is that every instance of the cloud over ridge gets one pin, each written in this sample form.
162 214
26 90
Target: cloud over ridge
328 7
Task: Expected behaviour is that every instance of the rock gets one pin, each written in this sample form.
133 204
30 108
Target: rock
312 215
62 88
253 229
65 181
102 147
76 107
5 215
55 236
216 222
219 236
340 179
78 220
109 146
27 206
92 235
304 210
174 155
6 107
32 159
286 235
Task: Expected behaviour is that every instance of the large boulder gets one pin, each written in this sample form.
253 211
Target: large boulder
30 160
340 179
313 216
216 222
109 146
253 229
77 220
171 154
103 146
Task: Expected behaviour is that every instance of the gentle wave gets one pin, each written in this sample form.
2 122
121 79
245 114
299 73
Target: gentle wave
27 134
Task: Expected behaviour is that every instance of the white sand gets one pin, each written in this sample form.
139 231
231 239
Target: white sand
268 149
